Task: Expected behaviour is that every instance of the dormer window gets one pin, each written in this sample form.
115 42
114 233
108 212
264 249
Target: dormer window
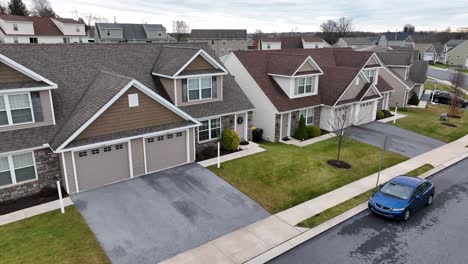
305 85
77 29
15 109
199 88
15 27
371 75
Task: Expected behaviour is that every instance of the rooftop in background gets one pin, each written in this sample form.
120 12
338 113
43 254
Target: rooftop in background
130 31
360 40
218 34
455 42
396 35
43 26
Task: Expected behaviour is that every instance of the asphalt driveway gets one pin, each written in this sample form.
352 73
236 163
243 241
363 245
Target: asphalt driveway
404 142
151 218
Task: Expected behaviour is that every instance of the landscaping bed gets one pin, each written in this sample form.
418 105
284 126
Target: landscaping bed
212 152
44 196
51 238
426 122
287 175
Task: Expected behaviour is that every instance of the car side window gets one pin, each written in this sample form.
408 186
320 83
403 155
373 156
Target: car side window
419 190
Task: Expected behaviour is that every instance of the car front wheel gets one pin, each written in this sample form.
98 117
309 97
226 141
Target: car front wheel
436 100
407 215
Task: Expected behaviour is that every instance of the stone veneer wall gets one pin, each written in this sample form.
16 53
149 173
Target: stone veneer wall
295 121
48 172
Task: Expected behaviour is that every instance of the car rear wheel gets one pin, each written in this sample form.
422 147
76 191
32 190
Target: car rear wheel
430 200
407 215
436 100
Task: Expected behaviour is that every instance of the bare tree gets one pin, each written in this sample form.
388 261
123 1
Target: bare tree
343 26
342 126
457 80
42 8
328 29
181 30
3 8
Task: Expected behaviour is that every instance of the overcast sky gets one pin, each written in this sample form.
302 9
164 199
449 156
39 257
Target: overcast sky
275 15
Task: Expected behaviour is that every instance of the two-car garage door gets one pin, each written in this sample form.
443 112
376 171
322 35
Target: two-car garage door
100 166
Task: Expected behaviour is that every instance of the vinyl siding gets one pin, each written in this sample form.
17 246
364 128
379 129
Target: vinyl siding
353 90
10 75
458 55
138 157
397 96
169 86
69 170
120 117
47 114
219 93
199 63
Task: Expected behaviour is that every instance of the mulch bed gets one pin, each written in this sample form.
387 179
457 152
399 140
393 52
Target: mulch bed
44 196
339 164
212 152
449 124
454 116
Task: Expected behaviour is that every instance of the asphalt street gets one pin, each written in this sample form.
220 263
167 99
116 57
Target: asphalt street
436 234
443 75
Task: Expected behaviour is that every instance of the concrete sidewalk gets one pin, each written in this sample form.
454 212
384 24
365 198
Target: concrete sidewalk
249 242
247 150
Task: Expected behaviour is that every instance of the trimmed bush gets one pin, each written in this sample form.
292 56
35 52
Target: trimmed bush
387 113
230 140
313 131
414 100
380 115
301 131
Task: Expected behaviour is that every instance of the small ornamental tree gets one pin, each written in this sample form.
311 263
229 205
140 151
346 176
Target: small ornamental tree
301 131
230 140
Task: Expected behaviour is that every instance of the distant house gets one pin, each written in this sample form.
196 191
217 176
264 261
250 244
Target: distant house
222 41
32 29
356 42
130 33
400 39
432 52
455 52
291 42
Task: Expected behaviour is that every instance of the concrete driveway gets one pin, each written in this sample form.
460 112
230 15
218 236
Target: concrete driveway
404 142
154 217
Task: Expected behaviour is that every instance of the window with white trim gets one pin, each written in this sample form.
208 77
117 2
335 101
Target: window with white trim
17 169
15 109
209 130
15 27
133 100
308 115
305 85
199 88
371 75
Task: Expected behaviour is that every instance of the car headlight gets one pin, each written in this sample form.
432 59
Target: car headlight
398 209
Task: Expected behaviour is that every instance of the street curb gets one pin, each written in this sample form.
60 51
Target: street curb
313 232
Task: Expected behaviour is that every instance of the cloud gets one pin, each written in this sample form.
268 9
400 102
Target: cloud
275 15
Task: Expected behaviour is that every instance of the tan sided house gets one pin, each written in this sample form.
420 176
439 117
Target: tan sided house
103 113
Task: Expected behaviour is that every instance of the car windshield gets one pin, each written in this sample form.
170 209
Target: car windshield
397 190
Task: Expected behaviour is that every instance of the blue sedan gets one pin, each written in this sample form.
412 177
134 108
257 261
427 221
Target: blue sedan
401 197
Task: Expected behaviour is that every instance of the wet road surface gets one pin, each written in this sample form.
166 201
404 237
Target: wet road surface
436 234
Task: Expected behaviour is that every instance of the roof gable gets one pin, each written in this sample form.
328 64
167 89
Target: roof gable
103 92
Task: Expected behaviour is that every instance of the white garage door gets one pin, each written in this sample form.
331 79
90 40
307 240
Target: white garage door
466 62
366 113
428 56
101 166
166 151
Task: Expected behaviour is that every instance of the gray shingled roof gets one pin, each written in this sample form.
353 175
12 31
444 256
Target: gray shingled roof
80 69
396 36
218 34
171 59
105 86
361 40
130 31
403 58
418 72
454 42
439 47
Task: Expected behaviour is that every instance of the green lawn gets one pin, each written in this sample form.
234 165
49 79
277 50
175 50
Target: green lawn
426 122
447 66
353 202
50 238
286 175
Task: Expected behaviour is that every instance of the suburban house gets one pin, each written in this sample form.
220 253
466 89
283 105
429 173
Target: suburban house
32 29
91 115
130 33
320 84
221 41
273 42
455 52
432 52
404 73
356 42
399 39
